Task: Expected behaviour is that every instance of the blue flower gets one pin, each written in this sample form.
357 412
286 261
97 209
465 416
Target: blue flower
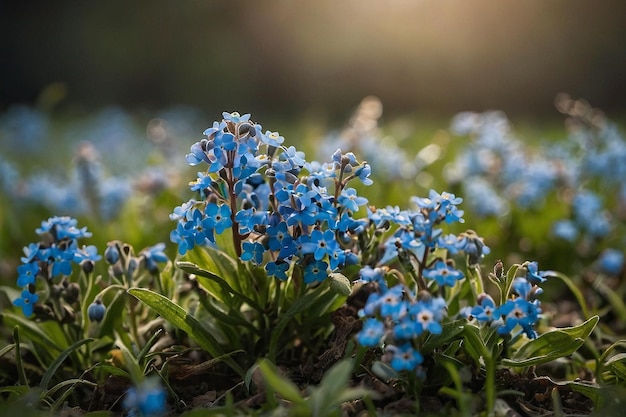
218 217
26 302
253 251
235 117
319 244
519 312
62 227
532 273
473 246
405 357
315 271
87 253
611 261
27 274
426 318
277 269
486 311
363 173
392 303
279 236
217 126
448 242
148 398
60 260
195 231
443 274
369 274
249 218
565 229
350 200
154 255
372 333
272 139
202 184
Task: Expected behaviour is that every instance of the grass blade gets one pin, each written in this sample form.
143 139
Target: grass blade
54 366
182 320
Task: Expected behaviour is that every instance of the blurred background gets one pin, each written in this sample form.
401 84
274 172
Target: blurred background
294 57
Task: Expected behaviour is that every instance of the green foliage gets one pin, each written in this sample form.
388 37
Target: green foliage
324 400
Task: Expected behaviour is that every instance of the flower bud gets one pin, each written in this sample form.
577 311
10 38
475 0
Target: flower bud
96 311
111 254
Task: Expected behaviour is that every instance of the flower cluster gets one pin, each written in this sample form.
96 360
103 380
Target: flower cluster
52 258
399 317
281 209
520 310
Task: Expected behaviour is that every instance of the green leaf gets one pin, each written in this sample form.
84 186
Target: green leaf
34 331
300 305
7 349
182 320
208 279
590 391
617 365
218 261
280 384
384 371
449 332
69 382
112 370
54 366
552 345
21 374
474 344
17 390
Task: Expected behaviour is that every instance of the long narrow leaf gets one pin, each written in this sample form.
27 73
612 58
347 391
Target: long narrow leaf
580 298
54 366
32 331
297 307
182 320
202 276
279 384
7 349
21 374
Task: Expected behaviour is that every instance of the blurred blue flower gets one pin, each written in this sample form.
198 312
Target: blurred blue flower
372 333
404 357
148 398
154 255
611 261
532 273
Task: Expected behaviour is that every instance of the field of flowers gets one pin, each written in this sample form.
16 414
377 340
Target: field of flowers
169 264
